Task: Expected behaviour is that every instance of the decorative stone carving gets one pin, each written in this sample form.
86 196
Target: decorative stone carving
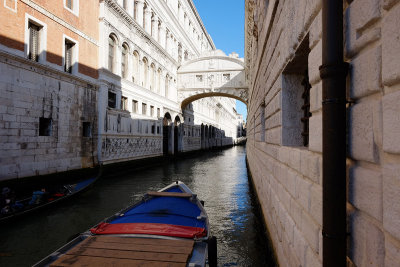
213 74
115 147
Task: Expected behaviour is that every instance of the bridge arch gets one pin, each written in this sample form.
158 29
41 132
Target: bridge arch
212 74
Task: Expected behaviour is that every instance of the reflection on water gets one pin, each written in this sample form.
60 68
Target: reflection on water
219 178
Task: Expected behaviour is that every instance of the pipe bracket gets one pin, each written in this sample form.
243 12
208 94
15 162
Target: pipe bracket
333 101
324 234
331 70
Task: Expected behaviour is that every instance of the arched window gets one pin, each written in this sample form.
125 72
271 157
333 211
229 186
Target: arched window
152 77
158 81
186 56
145 72
135 71
111 51
124 61
166 85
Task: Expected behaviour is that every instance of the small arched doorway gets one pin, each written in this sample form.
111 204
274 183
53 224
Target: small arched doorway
166 122
177 122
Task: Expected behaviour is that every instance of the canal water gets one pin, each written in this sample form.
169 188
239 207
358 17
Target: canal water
218 177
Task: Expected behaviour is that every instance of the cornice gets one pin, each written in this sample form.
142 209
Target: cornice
193 7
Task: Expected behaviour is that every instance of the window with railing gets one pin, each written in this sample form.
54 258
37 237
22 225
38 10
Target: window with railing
34 41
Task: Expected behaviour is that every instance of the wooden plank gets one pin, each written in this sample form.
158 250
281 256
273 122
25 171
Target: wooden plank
68 260
133 255
169 194
92 243
144 241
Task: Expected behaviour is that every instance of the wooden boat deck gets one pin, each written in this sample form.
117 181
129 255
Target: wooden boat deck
125 251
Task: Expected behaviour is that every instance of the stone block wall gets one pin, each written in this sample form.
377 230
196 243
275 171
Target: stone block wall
30 91
288 175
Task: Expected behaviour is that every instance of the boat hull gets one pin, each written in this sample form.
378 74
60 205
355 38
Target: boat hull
166 228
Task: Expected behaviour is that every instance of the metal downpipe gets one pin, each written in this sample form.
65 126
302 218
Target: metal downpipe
333 74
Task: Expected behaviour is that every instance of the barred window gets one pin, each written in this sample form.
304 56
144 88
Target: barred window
152 111
144 108
112 99
68 56
124 103
34 42
134 106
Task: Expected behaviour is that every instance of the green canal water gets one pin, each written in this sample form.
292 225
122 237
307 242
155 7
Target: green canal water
218 177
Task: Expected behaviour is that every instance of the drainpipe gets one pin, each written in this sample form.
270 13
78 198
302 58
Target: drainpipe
333 74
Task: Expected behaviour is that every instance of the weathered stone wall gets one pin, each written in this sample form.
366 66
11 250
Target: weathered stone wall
287 175
30 91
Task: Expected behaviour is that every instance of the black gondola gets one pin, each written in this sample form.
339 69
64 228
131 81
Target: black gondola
57 194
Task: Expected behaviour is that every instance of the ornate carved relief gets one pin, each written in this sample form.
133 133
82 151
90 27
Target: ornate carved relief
117 148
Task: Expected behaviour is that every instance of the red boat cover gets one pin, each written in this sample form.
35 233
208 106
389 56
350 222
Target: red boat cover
150 229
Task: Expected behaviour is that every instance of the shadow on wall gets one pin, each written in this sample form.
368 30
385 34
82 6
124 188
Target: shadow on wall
49 115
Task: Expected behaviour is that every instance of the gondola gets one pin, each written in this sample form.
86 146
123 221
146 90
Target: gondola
168 227
59 193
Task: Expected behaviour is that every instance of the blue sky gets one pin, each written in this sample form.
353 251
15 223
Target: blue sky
224 21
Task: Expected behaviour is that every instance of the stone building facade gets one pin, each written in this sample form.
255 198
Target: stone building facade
48 74
143 44
88 82
283 55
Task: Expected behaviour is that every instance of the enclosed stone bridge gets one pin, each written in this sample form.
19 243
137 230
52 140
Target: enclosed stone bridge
212 74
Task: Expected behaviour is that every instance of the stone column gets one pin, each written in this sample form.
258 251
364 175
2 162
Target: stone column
171 138
154 29
102 113
168 41
117 60
139 10
179 11
129 67
147 20
129 8
162 34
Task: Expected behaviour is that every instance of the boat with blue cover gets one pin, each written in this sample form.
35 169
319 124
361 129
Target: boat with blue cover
168 227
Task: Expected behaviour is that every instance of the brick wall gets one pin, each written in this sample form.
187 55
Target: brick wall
287 177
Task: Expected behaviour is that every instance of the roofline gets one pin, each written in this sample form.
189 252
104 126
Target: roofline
235 60
210 40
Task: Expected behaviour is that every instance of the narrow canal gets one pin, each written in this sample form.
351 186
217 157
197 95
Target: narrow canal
219 178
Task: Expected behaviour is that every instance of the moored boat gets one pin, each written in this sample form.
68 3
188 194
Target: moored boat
44 198
169 227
